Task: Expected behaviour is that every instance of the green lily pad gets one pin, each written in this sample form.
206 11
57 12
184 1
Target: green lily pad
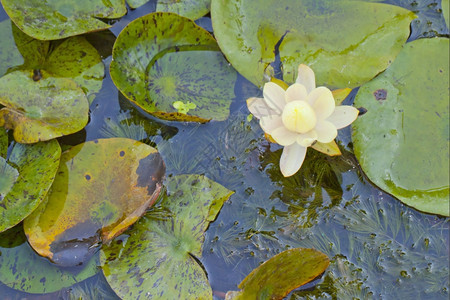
3 142
192 9
163 58
36 166
22 269
402 140
284 272
9 55
102 187
8 177
346 43
157 258
42 109
58 19
73 58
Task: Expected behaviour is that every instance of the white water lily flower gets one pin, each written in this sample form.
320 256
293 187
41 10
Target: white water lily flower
299 116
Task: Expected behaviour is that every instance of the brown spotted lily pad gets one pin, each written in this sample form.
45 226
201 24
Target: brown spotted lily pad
284 272
173 69
26 175
101 188
58 19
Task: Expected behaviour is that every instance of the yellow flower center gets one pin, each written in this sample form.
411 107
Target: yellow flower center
299 116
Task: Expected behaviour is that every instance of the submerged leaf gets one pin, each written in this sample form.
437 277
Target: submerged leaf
402 140
23 270
58 19
43 109
102 187
284 272
163 58
346 42
158 258
31 177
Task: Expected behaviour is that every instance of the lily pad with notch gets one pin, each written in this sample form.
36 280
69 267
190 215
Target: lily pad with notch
73 58
58 19
43 109
401 142
158 258
163 58
101 188
346 43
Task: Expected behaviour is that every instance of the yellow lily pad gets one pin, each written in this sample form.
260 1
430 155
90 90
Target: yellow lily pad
101 188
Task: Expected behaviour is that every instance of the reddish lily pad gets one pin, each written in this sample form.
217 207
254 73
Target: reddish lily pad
157 259
58 19
102 187
284 272
162 59
43 109
26 176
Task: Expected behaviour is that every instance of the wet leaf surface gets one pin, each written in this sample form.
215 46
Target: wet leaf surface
3 142
32 169
24 270
159 257
73 58
284 272
346 43
182 65
102 187
192 9
407 152
43 109
58 19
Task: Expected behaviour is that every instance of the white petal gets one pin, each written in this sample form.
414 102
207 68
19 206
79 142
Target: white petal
259 108
270 123
322 101
274 96
343 116
283 136
306 77
296 92
292 159
326 131
307 139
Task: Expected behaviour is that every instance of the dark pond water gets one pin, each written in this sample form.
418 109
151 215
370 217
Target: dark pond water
379 247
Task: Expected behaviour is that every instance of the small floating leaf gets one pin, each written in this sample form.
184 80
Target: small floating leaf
31 172
402 140
23 270
43 109
284 272
56 19
102 187
347 43
157 259
162 58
